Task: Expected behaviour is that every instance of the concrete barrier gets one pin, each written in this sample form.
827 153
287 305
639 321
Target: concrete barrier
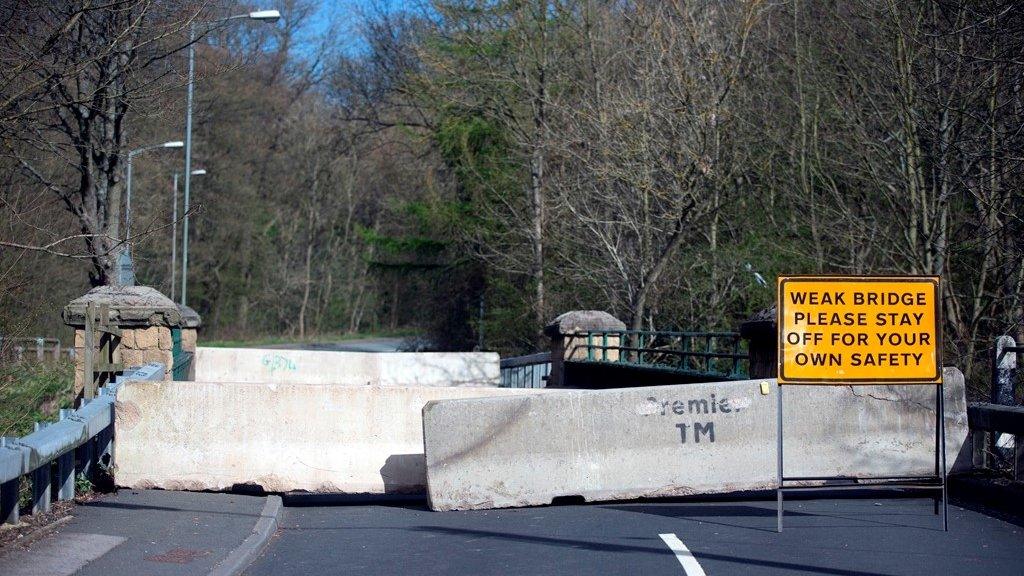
280 437
677 440
347 368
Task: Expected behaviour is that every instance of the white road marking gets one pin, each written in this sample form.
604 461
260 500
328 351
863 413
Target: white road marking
690 565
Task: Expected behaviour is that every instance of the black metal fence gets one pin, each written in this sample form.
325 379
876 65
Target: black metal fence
526 371
712 354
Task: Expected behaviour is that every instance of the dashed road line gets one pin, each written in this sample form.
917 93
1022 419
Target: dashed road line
690 565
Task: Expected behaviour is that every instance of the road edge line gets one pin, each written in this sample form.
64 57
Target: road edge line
691 567
241 557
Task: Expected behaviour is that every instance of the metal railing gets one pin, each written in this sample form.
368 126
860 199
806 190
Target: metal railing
716 354
984 420
526 371
57 453
992 423
182 359
39 349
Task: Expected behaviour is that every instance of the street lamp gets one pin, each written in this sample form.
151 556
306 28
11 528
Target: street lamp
269 16
128 182
126 273
174 231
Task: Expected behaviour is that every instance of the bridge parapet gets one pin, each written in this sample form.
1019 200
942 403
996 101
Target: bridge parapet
118 326
712 355
761 332
568 333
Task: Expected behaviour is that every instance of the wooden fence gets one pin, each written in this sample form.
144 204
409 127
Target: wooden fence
34 350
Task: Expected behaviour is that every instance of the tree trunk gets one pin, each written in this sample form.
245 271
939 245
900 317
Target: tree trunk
305 291
651 279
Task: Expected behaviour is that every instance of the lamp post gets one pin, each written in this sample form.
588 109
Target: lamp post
174 230
126 274
128 182
268 16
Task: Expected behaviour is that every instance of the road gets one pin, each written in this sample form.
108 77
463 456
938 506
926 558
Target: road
139 532
166 533
364 345
850 537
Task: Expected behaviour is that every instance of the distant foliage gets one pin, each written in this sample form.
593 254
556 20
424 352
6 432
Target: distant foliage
471 168
31 392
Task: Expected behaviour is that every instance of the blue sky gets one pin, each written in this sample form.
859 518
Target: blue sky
345 16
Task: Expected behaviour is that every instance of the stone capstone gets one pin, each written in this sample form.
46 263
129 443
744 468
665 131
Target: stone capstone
129 306
189 317
583 321
761 325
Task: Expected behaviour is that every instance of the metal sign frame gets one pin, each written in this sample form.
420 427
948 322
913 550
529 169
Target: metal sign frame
935 483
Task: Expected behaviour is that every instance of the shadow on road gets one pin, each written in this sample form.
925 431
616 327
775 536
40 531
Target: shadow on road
629 548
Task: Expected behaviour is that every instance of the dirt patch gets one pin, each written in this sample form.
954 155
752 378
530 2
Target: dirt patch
33 527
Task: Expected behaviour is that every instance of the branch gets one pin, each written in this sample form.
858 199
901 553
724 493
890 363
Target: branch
49 248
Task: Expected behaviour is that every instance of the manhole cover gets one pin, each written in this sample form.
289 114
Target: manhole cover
178 555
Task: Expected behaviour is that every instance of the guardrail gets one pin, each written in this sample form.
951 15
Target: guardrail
984 420
17 349
526 371
990 422
716 354
56 453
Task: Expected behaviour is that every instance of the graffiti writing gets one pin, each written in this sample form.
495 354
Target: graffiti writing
277 362
704 406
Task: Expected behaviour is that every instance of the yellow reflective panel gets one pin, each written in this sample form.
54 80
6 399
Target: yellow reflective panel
859 329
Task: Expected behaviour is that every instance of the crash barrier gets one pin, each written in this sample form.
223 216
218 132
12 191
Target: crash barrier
530 371
676 440
57 452
277 437
347 368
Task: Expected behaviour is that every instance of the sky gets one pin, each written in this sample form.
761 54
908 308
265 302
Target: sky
344 16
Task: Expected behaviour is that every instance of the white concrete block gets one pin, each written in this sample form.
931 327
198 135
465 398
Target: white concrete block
677 440
282 437
347 368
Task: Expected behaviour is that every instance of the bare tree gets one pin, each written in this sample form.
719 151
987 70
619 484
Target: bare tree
645 156
84 67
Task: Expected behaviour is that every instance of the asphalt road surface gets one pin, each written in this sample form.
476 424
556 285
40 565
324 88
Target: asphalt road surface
849 537
366 345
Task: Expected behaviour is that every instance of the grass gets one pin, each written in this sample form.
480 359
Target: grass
33 391
271 340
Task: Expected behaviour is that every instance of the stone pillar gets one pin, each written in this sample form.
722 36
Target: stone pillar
761 332
569 340
190 324
1004 366
145 318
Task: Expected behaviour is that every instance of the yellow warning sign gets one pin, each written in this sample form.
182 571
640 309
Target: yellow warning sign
859 329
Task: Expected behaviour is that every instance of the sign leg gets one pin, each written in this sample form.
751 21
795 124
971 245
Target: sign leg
942 455
939 417
778 453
